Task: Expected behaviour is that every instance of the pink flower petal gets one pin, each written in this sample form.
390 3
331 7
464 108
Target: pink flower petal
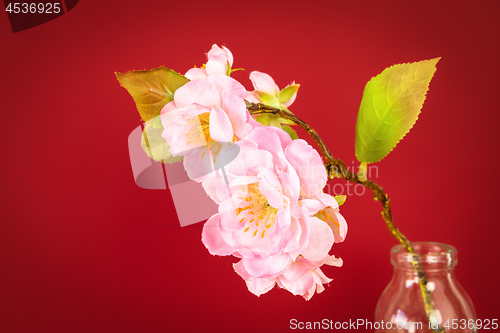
267 268
203 92
297 269
210 185
178 120
256 161
270 187
236 110
228 218
320 242
332 261
264 83
283 220
181 143
312 205
292 244
250 97
240 269
309 167
339 228
168 107
310 293
221 129
228 85
217 65
339 224
260 286
252 246
305 234
284 136
196 74
327 200
212 239
319 279
229 55
267 138
219 60
298 286
198 164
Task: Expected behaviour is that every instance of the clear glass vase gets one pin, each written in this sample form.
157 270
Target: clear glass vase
401 303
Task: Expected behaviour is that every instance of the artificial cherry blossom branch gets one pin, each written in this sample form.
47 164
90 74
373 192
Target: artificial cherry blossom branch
337 168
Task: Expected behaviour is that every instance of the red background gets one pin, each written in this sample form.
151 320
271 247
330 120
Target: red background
83 249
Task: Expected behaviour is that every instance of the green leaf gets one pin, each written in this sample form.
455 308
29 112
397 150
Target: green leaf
264 119
341 199
152 89
267 119
155 146
290 131
287 93
269 99
390 107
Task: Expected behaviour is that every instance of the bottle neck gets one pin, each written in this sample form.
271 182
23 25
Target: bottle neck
436 258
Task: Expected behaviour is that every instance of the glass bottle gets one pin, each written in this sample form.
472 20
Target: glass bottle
401 308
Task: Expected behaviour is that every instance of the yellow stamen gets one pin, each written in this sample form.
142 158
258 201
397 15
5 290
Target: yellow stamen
239 209
333 221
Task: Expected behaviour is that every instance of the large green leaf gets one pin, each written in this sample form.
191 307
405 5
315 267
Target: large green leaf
390 107
152 89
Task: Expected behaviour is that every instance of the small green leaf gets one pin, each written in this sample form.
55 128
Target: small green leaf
155 146
341 199
390 107
290 131
152 89
287 93
264 119
268 99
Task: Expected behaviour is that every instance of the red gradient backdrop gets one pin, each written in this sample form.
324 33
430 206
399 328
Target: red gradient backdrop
83 249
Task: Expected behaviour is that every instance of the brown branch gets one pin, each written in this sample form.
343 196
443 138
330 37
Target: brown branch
336 168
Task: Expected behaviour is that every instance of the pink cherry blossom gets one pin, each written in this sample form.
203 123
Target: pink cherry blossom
205 112
305 277
259 211
264 217
268 92
324 207
219 61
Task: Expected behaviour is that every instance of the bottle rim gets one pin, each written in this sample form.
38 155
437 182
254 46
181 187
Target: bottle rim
430 253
